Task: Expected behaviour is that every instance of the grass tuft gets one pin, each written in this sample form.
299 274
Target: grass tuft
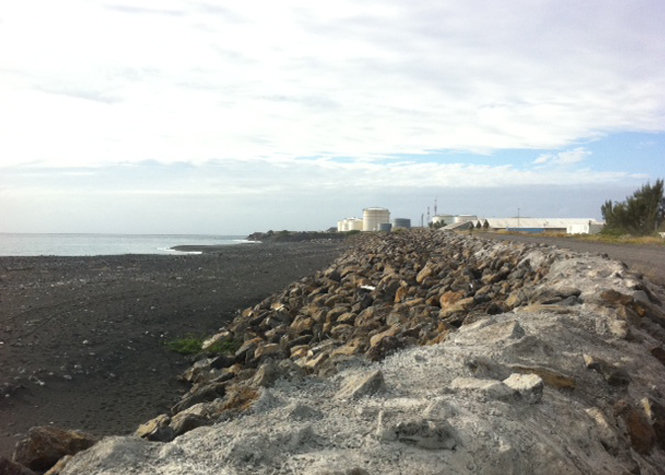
189 345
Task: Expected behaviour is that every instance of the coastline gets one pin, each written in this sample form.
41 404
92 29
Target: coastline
83 337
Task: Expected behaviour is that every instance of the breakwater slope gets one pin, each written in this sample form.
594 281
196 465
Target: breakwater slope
424 352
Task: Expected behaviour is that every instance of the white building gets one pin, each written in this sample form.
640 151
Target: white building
539 225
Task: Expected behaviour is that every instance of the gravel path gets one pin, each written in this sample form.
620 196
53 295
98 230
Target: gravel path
647 259
82 338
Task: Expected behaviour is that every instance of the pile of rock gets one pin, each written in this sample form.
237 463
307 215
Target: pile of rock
521 359
570 388
387 292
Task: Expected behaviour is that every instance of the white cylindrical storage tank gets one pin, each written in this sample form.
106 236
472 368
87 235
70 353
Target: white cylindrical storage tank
340 226
354 224
445 218
374 217
401 223
464 218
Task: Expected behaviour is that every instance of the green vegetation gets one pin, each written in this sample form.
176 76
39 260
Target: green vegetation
640 215
189 345
192 345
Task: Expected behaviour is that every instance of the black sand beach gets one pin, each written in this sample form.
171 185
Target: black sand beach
82 339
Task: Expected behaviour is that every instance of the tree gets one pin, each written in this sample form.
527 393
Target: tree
437 224
639 215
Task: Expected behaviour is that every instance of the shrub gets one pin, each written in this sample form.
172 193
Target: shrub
638 215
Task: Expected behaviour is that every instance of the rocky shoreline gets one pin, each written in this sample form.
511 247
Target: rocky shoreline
82 339
478 356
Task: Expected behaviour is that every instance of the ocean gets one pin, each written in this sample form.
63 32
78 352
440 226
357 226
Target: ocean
19 244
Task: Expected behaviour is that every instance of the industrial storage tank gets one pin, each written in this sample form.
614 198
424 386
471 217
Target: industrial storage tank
354 224
401 223
385 227
350 224
464 218
374 217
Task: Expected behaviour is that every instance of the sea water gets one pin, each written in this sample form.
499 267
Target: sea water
20 244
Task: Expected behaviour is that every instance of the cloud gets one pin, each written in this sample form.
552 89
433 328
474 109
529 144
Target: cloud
236 196
568 157
295 79
132 9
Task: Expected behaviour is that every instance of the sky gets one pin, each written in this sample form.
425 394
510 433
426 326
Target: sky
198 116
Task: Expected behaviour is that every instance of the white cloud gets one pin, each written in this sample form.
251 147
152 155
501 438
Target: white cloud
236 196
568 157
117 81
272 104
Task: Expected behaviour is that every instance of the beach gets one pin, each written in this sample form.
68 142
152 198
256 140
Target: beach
82 339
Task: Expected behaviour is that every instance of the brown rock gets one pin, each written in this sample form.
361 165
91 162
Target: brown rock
46 445
362 385
613 297
550 377
401 293
655 413
424 273
199 394
193 373
341 332
299 351
269 349
353 347
156 429
441 335
247 348
630 315
415 302
642 436
385 346
302 324
266 375
367 318
336 313
517 298
184 422
312 362
9 467
239 398
459 307
493 278
376 339
347 317
449 298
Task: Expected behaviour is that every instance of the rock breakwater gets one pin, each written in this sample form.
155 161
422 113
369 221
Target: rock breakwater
424 352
